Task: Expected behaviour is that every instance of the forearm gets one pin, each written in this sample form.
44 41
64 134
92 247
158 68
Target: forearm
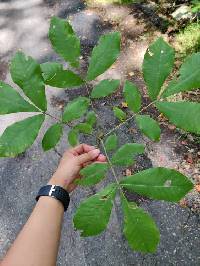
38 242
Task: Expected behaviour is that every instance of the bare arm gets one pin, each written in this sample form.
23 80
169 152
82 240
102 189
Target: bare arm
37 243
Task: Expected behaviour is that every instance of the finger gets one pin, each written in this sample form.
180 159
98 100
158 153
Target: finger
89 156
82 148
101 158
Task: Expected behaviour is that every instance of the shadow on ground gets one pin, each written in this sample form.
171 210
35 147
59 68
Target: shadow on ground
24 25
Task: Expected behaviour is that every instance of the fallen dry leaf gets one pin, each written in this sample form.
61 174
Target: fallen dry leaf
171 127
131 74
183 203
132 130
124 104
197 188
128 172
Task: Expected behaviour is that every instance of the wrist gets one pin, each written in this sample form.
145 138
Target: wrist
58 182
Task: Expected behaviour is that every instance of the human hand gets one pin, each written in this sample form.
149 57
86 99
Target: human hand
71 163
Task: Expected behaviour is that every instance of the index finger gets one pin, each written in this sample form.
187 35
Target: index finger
82 148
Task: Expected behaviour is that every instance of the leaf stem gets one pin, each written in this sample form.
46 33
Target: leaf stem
109 162
128 119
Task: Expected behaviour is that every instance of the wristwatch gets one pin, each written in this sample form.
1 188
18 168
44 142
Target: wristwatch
56 192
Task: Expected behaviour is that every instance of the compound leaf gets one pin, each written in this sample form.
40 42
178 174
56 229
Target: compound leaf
64 41
84 128
148 126
75 109
26 73
52 137
140 229
157 65
111 142
159 183
92 174
93 214
121 115
185 115
12 102
20 136
132 96
104 55
105 88
189 78
73 137
55 76
125 154
91 118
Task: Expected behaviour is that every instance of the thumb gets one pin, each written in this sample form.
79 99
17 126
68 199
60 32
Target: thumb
89 156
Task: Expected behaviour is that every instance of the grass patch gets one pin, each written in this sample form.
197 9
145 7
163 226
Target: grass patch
188 40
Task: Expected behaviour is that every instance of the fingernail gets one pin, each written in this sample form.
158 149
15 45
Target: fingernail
95 152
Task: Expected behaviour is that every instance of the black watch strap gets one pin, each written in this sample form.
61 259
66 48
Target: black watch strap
55 192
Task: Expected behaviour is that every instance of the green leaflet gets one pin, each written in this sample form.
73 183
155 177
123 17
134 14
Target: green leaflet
105 88
185 115
132 96
92 174
157 65
140 229
121 115
189 76
75 109
91 118
84 128
49 69
93 214
20 136
104 55
125 154
64 41
159 183
26 73
111 142
12 102
73 137
52 137
148 126
55 76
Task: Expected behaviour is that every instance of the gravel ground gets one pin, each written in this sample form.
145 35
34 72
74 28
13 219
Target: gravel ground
24 25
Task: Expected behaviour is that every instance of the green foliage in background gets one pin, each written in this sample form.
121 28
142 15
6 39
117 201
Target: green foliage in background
187 41
93 214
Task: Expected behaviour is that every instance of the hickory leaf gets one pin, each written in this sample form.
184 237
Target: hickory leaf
157 65
55 76
125 154
75 109
148 126
52 137
26 73
12 102
158 183
91 118
73 137
189 78
140 229
185 115
105 88
92 174
84 128
93 214
111 142
20 136
104 55
132 96
64 41
118 113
